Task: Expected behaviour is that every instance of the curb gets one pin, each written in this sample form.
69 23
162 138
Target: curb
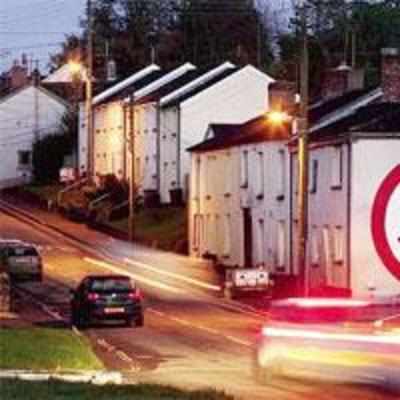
94 378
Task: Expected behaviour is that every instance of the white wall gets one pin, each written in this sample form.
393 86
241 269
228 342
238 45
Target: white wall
327 250
17 129
236 99
216 196
372 161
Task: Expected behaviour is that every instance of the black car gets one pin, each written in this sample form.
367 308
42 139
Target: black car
110 297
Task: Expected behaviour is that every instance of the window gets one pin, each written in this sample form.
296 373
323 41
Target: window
24 158
197 231
337 168
314 177
244 169
261 242
197 178
227 236
327 247
282 175
137 170
261 172
228 175
338 245
314 247
281 239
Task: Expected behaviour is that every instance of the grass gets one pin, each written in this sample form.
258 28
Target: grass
16 390
45 349
167 227
44 192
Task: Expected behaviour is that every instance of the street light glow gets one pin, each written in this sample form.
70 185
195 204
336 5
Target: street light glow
277 117
75 67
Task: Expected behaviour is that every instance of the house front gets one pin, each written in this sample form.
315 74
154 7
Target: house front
26 115
239 196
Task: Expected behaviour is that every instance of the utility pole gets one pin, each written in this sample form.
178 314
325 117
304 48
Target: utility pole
133 172
89 94
303 157
36 83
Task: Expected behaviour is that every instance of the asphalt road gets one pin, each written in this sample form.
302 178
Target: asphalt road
191 338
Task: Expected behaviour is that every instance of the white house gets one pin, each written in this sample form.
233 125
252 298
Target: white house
171 112
239 196
225 95
27 114
354 197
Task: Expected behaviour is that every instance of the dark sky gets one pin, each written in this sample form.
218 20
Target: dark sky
35 27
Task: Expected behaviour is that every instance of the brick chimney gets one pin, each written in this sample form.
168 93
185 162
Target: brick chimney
391 75
282 96
18 75
341 80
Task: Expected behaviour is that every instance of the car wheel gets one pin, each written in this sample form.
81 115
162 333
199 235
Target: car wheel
140 320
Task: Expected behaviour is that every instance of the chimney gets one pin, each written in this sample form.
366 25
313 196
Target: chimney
391 75
18 75
282 96
341 80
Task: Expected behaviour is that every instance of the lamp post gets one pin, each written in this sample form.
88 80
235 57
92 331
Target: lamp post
303 157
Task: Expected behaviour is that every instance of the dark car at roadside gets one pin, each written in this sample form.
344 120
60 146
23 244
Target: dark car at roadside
105 298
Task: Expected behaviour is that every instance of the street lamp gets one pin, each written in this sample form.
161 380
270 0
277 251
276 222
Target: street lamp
277 117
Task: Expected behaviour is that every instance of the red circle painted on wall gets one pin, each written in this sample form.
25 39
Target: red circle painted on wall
384 222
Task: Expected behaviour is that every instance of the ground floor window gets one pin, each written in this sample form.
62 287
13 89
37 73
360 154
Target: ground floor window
24 158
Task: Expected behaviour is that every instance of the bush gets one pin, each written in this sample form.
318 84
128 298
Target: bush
48 157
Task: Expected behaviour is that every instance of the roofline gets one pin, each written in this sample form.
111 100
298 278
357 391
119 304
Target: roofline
347 109
197 82
126 82
40 88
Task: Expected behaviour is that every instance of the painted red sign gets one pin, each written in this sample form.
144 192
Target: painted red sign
385 222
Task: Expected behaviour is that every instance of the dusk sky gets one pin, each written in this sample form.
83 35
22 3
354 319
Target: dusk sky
35 27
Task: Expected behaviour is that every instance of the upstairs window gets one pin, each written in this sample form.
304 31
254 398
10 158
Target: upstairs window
282 175
24 159
314 176
244 169
337 168
260 174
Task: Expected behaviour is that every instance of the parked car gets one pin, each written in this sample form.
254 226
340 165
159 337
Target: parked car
22 260
110 297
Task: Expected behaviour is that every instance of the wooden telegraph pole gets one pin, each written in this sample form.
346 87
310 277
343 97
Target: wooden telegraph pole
133 171
89 94
303 157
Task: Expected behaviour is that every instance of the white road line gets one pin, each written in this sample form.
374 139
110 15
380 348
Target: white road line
183 278
201 327
146 281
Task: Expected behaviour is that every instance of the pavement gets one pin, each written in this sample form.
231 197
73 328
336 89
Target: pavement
191 339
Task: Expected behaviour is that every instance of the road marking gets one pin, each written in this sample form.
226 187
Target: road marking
201 327
146 281
183 278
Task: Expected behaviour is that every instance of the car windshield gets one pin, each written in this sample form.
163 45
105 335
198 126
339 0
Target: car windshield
111 284
23 252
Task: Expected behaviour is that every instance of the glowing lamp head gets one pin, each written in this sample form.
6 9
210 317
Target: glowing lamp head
277 117
75 67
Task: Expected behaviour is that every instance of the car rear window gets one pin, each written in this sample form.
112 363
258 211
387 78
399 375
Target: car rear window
23 252
111 284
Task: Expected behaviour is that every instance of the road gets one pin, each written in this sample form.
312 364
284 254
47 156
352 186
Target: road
191 338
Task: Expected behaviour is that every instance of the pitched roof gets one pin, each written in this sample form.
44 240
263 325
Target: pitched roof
127 90
195 90
323 108
254 131
378 118
171 86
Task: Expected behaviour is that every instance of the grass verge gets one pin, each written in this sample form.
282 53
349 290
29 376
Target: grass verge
45 349
16 390
165 227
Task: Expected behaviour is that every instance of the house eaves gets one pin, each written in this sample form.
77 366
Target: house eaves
348 109
175 74
125 83
196 83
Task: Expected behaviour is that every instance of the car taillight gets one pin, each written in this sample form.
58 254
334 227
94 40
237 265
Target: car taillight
93 296
136 295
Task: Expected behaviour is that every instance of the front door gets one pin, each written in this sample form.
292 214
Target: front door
248 238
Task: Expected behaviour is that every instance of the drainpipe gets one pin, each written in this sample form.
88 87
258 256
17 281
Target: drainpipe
158 148
178 151
349 199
